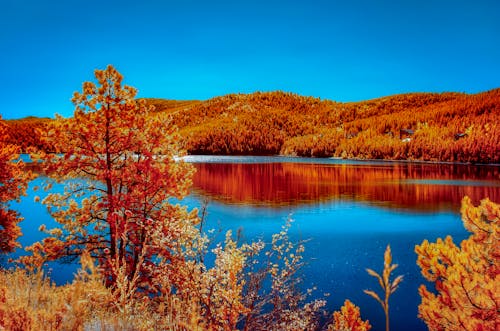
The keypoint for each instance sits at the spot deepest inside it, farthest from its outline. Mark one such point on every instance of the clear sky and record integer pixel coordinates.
(342, 50)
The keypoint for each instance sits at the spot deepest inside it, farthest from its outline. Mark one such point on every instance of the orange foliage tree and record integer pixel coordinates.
(348, 319)
(466, 278)
(13, 184)
(122, 172)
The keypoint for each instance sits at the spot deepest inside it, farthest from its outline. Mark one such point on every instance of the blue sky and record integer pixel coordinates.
(342, 50)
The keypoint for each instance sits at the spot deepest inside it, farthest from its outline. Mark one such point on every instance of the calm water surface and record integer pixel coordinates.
(348, 210)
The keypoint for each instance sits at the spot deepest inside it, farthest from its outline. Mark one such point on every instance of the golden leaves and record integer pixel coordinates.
(348, 319)
(395, 283)
(375, 296)
(122, 172)
(466, 278)
(13, 183)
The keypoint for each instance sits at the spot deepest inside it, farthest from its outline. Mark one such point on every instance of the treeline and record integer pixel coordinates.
(422, 126)
(28, 133)
(450, 127)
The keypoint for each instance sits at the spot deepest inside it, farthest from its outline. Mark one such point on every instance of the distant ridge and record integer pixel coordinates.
(452, 127)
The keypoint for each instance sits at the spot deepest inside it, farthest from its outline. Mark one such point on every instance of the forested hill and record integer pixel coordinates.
(423, 126)
(418, 126)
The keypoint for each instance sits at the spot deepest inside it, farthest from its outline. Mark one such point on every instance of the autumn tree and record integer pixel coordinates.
(466, 278)
(348, 319)
(13, 184)
(119, 173)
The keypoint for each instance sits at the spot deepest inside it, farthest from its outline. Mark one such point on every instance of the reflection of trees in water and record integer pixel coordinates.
(410, 186)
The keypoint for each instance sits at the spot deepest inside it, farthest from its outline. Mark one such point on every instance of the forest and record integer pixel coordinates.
(443, 127)
(144, 260)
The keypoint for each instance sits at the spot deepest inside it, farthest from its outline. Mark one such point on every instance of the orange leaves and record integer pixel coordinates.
(121, 164)
(13, 178)
(348, 319)
(9, 230)
(27, 133)
(13, 183)
(466, 278)
(434, 258)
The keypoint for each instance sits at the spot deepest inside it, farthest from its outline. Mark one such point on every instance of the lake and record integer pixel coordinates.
(349, 211)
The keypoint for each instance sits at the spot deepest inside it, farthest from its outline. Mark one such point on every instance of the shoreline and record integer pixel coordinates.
(302, 159)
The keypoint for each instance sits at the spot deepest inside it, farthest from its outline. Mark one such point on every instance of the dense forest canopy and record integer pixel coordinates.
(453, 127)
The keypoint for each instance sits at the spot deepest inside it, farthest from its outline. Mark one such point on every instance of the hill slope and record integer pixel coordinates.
(418, 126)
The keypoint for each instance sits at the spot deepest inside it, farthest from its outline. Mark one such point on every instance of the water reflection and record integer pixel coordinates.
(336, 207)
(416, 187)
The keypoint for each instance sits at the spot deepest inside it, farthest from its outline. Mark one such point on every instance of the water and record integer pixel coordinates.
(349, 211)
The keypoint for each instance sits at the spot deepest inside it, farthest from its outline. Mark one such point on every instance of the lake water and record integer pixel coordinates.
(347, 210)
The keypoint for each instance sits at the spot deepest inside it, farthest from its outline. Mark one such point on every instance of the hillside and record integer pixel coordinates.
(420, 126)
(27, 132)
(452, 127)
